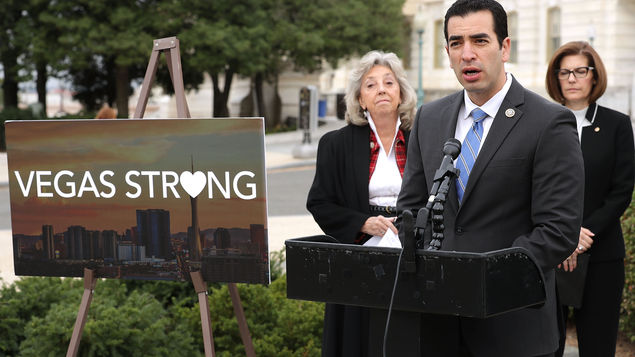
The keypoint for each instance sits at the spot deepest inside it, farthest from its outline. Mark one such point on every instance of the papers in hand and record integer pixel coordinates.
(390, 239)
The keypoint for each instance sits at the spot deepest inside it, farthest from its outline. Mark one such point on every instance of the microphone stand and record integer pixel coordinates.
(412, 236)
(438, 197)
(436, 202)
(411, 233)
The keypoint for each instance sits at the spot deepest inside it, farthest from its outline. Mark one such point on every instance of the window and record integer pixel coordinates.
(439, 44)
(512, 23)
(553, 31)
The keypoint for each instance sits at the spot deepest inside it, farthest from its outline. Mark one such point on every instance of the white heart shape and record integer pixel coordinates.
(193, 184)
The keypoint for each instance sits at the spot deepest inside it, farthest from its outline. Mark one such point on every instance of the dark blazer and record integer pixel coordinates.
(609, 173)
(338, 200)
(525, 190)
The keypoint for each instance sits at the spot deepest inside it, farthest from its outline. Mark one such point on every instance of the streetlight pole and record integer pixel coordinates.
(420, 88)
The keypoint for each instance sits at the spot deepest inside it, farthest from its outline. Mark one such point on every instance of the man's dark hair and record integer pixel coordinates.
(464, 7)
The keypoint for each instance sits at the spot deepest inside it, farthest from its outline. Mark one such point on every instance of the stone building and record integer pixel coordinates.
(536, 29)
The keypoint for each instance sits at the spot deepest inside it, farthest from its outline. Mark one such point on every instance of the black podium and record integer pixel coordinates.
(452, 283)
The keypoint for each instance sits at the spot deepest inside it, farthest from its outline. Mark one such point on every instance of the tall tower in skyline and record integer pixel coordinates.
(222, 238)
(257, 236)
(48, 242)
(153, 226)
(74, 236)
(194, 233)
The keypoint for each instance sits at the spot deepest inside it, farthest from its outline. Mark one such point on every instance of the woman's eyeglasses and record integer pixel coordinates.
(579, 72)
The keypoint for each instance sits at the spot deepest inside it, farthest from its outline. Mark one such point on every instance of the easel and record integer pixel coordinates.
(173, 59)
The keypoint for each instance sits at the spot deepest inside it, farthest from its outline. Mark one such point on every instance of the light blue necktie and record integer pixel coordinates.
(469, 151)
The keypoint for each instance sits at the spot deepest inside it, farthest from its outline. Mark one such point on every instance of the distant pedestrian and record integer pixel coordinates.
(576, 78)
(106, 112)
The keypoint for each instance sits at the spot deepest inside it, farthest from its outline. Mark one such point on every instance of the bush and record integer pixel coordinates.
(627, 318)
(138, 318)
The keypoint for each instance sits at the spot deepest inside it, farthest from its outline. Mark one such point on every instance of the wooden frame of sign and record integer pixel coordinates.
(170, 45)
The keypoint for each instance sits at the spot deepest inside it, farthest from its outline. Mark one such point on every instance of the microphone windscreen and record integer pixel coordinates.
(452, 147)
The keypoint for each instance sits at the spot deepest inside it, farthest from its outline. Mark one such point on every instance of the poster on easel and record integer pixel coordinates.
(151, 199)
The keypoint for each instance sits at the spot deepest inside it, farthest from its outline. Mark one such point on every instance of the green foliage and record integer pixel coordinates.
(107, 44)
(139, 318)
(279, 327)
(627, 318)
(119, 324)
(276, 264)
(102, 46)
(27, 299)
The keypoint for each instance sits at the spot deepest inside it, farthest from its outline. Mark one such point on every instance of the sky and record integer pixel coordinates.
(92, 147)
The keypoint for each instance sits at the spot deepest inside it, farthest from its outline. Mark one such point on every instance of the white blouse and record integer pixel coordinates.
(385, 183)
(581, 120)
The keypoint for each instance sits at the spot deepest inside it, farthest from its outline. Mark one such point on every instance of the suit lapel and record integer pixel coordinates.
(588, 139)
(506, 118)
(360, 150)
(446, 126)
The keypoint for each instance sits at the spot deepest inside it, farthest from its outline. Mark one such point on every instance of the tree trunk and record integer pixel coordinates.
(247, 104)
(268, 102)
(42, 77)
(260, 100)
(221, 97)
(275, 110)
(123, 91)
(10, 83)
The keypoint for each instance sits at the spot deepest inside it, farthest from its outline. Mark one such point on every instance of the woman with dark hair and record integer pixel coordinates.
(354, 194)
(576, 78)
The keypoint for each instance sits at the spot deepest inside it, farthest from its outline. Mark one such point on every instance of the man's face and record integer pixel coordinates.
(475, 56)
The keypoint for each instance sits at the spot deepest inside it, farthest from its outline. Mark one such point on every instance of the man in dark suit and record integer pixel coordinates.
(522, 182)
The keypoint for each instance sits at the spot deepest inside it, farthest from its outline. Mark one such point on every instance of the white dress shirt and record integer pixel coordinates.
(464, 121)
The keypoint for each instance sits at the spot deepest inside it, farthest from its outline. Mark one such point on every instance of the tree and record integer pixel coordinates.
(12, 45)
(304, 35)
(223, 39)
(260, 38)
(112, 38)
(43, 54)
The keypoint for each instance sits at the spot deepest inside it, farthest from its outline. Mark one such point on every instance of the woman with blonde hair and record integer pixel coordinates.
(354, 193)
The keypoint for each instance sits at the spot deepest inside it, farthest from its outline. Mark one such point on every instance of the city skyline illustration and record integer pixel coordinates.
(139, 199)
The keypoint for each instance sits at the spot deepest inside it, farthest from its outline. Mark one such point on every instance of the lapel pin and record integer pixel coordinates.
(597, 129)
(510, 112)
(372, 145)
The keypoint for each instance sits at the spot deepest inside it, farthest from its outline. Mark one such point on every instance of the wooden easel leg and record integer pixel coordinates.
(201, 289)
(147, 85)
(89, 286)
(177, 81)
(170, 45)
(242, 322)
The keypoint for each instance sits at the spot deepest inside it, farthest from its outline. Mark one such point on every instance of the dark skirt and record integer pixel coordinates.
(352, 331)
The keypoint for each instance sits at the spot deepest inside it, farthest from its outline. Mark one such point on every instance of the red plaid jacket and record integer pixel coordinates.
(400, 152)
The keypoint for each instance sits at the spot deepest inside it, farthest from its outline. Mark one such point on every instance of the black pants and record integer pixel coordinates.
(598, 319)
(435, 328)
